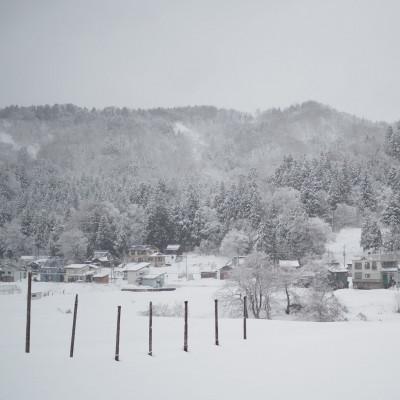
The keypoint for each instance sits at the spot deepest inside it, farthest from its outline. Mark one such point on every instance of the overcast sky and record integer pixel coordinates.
(245, 55)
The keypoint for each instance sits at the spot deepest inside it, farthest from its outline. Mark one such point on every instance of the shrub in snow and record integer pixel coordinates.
(361, 316)
(323, 306)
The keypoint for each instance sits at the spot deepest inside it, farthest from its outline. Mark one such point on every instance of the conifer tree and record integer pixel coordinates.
(371, 235)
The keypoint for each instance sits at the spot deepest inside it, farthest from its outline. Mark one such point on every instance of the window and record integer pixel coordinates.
(368, 276)
(358, 275)
(374, 265)
(357, 265)
(389, 264)
(366, 265)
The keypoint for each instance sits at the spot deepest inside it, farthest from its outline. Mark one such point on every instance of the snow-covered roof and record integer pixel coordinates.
(157, 254)
(27, 258)
(337, 269)
(143, 247)
(101, 274)
(289, 263)
(136, 266)
(76, 266)
(42, 260)
(173, 247)
(153, 275)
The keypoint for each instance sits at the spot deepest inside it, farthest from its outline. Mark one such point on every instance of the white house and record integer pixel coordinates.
(134, 271)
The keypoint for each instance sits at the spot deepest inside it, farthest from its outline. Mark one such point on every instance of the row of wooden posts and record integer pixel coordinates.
(117, 340)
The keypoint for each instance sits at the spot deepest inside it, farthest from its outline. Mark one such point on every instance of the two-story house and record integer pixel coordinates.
(146, 253)
(375, 271)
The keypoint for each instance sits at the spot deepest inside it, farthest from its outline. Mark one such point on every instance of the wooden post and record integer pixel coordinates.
(185, 338)
(71, 350)
(150, 329)
(244, 317)
(28, 315)
(117, 338)
(216, 323)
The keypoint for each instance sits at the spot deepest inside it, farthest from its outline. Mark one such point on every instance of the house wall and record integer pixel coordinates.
(76, 274)
(102, 279)
(134, 275)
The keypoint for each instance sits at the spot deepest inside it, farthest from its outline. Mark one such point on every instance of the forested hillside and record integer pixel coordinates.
(73, 180)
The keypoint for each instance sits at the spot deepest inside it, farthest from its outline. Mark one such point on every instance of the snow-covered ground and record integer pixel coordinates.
(280, 359)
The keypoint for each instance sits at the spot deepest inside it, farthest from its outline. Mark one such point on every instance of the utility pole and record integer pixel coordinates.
(344, 256)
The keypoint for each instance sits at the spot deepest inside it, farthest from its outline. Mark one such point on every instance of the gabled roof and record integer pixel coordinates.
(136, 266)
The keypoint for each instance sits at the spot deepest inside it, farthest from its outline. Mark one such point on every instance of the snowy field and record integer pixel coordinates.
(280, 360)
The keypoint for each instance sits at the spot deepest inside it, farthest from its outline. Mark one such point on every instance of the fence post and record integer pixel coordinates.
(117, 338)
(150, 329)
(245, 317)
(216, 323)
(185, 339)
(28, 315)
(71, 350)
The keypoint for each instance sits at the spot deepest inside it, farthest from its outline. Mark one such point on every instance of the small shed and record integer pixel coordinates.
(173, 249)
(101, 277)
(225, 272)
(338, 277)
(209, 274)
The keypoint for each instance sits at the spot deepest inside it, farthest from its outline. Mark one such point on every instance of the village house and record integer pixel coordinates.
(10, 272)
(146, 253)
(78, 273)
(141, 252)
(51, 269)
(375, 271)
(172, 252)
(102, 258)
(133, 271)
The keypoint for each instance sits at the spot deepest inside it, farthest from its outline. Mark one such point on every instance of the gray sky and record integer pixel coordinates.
(245, 54)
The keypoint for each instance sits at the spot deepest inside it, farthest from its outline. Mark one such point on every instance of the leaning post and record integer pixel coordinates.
(71, 350)
(118, 331)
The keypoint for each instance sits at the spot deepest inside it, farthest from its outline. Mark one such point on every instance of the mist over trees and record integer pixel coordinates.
(74, 180)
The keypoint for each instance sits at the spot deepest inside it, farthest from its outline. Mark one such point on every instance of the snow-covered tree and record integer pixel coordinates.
(371, 235)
